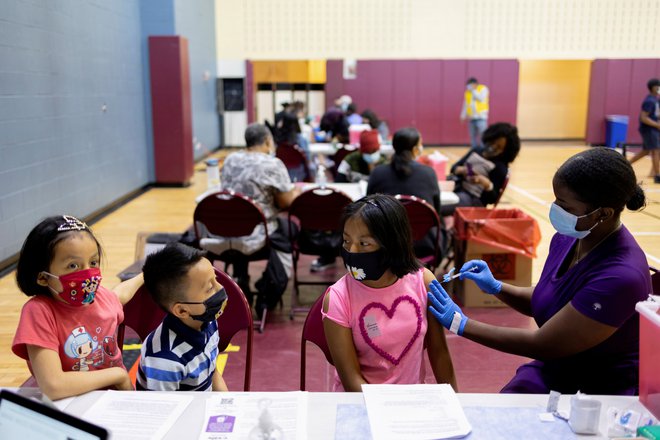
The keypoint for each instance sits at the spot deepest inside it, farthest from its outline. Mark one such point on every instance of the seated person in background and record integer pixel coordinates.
(352, 116)
(358, 165)
(334, 121)
(480, 174)
(404, 175)
(369, 117)
(383, 274)
(180, 354)
(255, 173)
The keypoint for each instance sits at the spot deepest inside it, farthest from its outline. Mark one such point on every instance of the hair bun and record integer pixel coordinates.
(638, 200)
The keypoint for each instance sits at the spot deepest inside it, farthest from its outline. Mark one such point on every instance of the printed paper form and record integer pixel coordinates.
(133, 416)
(268, 416)
(414, 412)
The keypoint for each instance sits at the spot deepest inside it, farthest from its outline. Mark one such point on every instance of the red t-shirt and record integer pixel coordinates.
(85, 337)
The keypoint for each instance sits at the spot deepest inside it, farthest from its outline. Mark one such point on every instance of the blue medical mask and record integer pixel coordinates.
(564, 222)
(371, 158)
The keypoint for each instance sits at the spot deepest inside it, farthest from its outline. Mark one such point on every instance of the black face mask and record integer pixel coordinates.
(364, 266)
(215, 305)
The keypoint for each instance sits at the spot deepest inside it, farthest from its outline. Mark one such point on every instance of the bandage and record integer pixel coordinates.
(456, 323)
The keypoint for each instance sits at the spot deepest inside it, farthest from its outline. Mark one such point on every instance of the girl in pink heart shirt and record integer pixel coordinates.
(375, 317)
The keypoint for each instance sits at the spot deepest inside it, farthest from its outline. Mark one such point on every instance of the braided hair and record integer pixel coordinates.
(601, 177)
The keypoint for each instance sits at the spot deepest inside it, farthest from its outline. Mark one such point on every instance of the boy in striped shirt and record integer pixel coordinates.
(181, 353)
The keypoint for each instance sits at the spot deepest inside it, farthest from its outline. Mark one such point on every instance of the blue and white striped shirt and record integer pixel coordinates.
(177, 357)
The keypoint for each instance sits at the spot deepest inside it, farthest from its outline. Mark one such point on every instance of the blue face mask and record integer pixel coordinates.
(564, 222)
(371, 158)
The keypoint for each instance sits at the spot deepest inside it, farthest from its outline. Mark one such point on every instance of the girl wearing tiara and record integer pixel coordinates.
(67, 330)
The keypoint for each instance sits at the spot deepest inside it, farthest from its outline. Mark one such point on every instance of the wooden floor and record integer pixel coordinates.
(170, 210)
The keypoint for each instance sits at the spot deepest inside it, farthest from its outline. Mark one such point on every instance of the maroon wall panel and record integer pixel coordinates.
(250, 92)
(171, 109)
(334, 81)
(427, 94)
(618, 87)
(404, 93)
(454, 76)
(378, 88)
(429, 98)
(596, 110)
(504, 91)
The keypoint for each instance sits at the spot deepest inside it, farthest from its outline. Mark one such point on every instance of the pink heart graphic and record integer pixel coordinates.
(390, 313)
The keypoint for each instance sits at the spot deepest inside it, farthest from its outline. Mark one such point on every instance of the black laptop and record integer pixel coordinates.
(22, 419)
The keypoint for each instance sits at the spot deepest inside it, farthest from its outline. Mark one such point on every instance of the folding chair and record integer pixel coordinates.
(313, 332)
(504, 185)
(237, 316)
(317, 209)
(339, 156)
(231, 215)
(655, 280)
(423, 218)
(295, 160)
(143, 315)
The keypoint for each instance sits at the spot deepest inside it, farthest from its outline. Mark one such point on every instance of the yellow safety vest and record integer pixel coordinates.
(479, 106)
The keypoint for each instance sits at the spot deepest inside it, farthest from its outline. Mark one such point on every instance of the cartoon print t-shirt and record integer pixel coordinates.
(388, 327)
(84, 337)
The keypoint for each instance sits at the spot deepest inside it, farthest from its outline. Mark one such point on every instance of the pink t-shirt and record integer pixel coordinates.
(85, 337)
(388, 326)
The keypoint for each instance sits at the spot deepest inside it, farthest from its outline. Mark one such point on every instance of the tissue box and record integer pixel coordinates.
(649, 355)
(438, 162)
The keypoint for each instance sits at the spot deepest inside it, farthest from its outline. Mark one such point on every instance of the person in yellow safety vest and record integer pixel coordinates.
(475, 109)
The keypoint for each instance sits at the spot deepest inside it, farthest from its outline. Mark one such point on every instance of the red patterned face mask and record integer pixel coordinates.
(79, 288)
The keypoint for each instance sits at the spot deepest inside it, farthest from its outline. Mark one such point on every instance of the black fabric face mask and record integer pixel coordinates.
(214, 305)
(365, 265)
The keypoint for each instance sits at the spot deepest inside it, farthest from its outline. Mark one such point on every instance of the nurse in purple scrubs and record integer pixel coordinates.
(584, 303)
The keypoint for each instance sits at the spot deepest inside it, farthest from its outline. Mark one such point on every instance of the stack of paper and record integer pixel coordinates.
(271, 416)
(414, 412)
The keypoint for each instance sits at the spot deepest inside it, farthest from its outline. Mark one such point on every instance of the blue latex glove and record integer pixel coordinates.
(482, 276)
(445, 309)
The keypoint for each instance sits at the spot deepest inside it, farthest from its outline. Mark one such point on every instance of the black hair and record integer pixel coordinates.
(352, 108)
(601, 177)
(256, 134)
(370, 116)
(653, 82)
(287, 129)
(472, 80)
(387, 221)
(165, 272)
(38, 251)
(508, 132)
(403, 141)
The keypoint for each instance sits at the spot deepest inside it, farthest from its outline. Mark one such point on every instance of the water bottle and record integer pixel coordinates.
(212, 174)
(321, 179)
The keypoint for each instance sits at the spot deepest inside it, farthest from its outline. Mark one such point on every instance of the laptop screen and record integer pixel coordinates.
(22, 418)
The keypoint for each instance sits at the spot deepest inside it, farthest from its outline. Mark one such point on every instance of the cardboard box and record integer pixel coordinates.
(649, 355)
(508, 267)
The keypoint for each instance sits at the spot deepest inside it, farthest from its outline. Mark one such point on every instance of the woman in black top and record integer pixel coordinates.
(403, 175)
(480, 174)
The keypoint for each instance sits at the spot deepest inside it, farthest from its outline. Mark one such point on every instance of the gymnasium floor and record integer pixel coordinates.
(277, 351)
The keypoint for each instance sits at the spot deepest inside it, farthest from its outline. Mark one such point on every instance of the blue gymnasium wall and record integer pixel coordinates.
(61, 61)
(197, 24)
